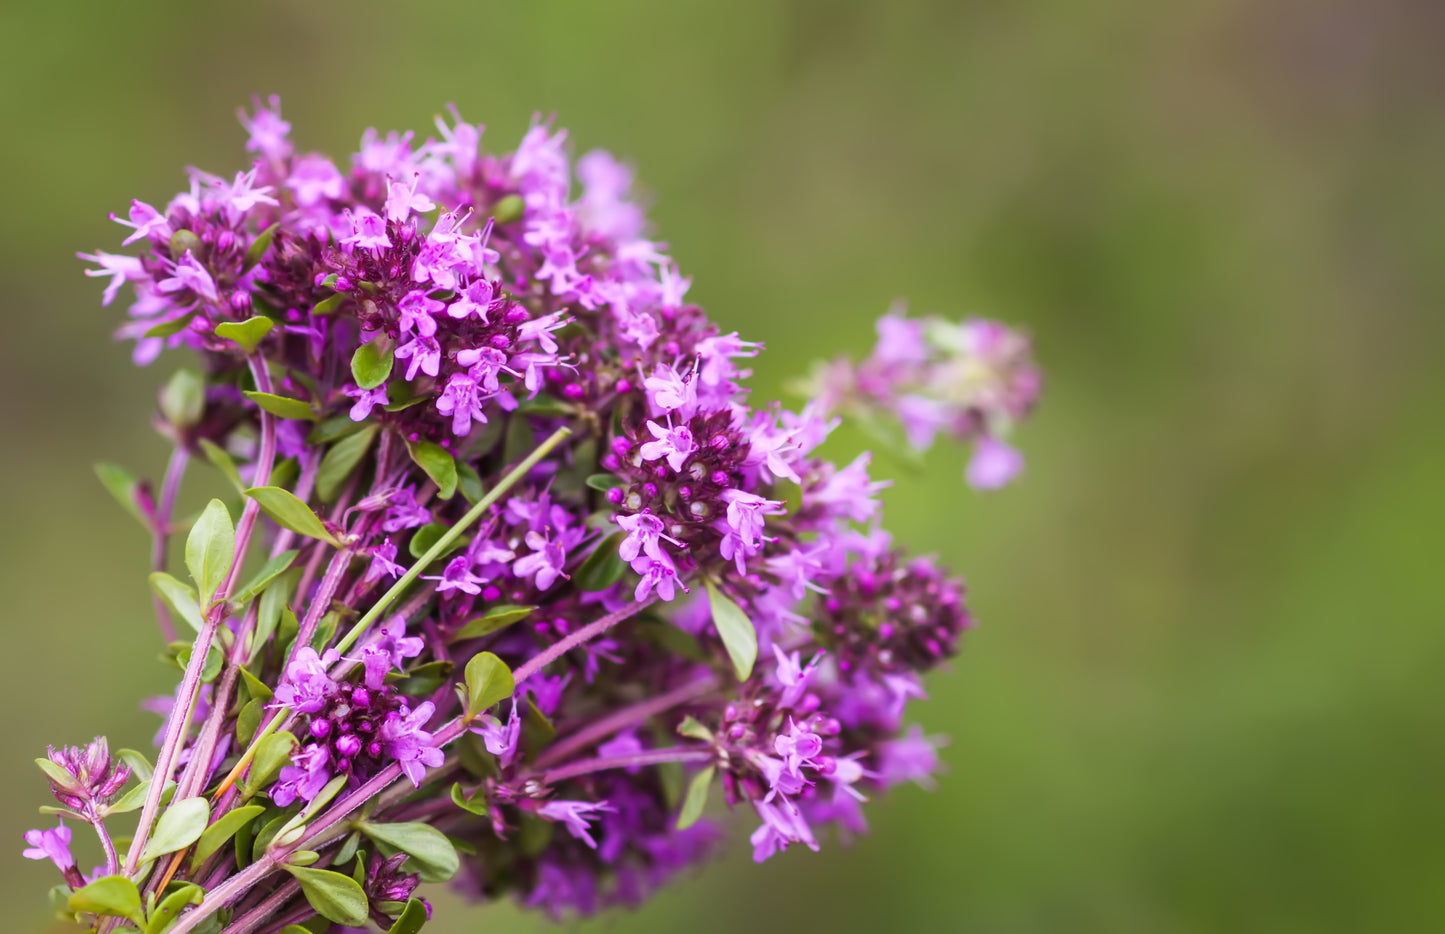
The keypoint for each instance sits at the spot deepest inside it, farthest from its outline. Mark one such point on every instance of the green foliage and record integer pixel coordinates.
(437, 463)
(430, 852)
(736, 629)
(603, 567)
(210, 549)
(281, 406)
(411, 919)
(248, 333)
(179, 598)
(335, 897)
(488, 680)
(340, 460)
(289, 512)
(222, 461)
(179, 826)
(171, 907)
(372, 362)
(112, 895)
(225, 827)
(696, 799)
(183, 400)
(123, 486)
(496, 618)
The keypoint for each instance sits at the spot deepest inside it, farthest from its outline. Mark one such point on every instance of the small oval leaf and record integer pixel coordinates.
(122, 485)
(180, 598)
(210, 549)
(281, 406)
(489, 680)
(411, 919)
(248, 333)
(171, 907)
(179, 826)
(340, 460)
(290, 512)
(736, 629)
(432, 854)
(438, 464)
(225, 827)
(498, 617)
(372, 362)
(604, 567)
(112, 895)
(335, 897)
(696, 799)
(183, 400)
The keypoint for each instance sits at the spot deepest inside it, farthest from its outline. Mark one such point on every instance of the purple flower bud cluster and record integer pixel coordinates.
(972, 381)
(523, 543)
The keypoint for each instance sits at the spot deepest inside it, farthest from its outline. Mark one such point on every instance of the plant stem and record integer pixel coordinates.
(586, 634)
(601, 729)
(445, 542)
(646, 757)
(175, 470)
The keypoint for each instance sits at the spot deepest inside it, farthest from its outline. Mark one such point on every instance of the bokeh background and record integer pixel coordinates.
(1206, 693)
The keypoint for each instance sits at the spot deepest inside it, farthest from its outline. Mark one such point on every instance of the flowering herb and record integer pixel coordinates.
(510, 561)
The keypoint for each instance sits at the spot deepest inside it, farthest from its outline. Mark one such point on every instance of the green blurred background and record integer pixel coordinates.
(1205, 694)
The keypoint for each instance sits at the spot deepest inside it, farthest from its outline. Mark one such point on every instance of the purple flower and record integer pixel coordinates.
(383, 563)
(425, 355)
(307, 685)
(675, 444)
(92, 778)
(368, 230)
(119, 268)
(404, 513)
(575, 815)
(458, 576)
(402, 199)
(314, 180)
(268, 131)
(190, 274)
(146, 221)
(669, 391)
(500, 739)
(910, 758)
(405, 740)
(474, 300)
(783, 825)
(644, 534)
(463, 402)
(308, 773)
(792, 676)
(366, 401)
(416, 313)
(658, 574)
(545, 562)
(993, 464)
(52, 844)
(391, 646)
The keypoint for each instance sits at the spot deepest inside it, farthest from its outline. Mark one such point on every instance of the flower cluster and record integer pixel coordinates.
(532, 575)
(972, 381)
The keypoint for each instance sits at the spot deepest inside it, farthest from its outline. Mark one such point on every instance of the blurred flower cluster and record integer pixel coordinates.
(511, 575)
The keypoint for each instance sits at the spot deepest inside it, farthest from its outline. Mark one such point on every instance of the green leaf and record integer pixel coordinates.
(248, 333)
(179, 826)
(255, 687)
(269, 571)
(736, 629)
(258, 248)
(475, 805)
(469, 482)
(140, 766)
(692, 729)
(59, 775)
(180, 598)
(335, 897)
(333, 429)
(327, 306)
(273, 753)
(268, 613)
(302, 858)
(122, 485)
(290, 513)
(210, 665)
(172, 905)
(498, 617)
(425, 537)
(225, 827)
(340, 460)
(222, 461)
(173, 326)
(248, 721)
(210, 549)
(411, 919)
(602, 482)
(137, 796)
(112, 895)
(281, 406)
(508, 209)
(371, 364)
(696, 800)
(183, 400)
(432, 854)
(489, 680)
(438, 464)
(604, 567)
